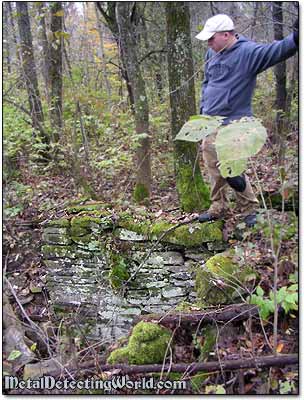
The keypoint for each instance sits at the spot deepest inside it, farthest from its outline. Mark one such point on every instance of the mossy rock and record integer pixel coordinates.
(192, 235)
(147, 344)
(126, 221)
(81, 226)
(59, 223)
(221, 279)
(75, 209)
(83, 240)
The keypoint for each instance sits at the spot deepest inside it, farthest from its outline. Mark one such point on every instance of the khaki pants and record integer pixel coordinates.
(246, 201)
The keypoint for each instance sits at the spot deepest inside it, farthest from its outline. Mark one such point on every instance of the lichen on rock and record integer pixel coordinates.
(147, 344)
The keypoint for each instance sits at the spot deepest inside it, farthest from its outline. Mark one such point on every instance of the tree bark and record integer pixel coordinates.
(45, 50)
(12, 23)
(280, 75)
(6, 44)
(192, 191)
(127, 36)
(111, 22)
(56, 50)
(29, 67)
(254, 20)
(102, 53)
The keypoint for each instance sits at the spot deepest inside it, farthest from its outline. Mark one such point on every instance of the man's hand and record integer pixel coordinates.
(296, 32)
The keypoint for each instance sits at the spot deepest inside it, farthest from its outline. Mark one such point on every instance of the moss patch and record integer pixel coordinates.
(60, 223)
(192, 191)
(207, 345)
(126, 221)
(147, 345)
(192, 235)
(81, 226)
(87, 207)
(220, 280)
(141, 193)
(119, 271)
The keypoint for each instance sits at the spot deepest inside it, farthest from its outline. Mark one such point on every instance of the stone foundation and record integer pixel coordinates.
(84, 252)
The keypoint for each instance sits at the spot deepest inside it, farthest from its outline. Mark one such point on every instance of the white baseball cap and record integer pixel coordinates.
(218, 23)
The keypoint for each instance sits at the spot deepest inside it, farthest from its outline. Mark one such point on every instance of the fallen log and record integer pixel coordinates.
(234, 312)
(228, 365)
(281, 360)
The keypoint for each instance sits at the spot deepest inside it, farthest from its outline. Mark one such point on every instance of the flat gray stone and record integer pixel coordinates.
(170, 292)
(55, 235)
(181, 275)
(125, 234)
(186, 284)
(156, 284)
(197, 256)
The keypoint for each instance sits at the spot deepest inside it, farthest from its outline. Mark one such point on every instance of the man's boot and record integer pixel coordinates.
(250, 220)
(207, 217)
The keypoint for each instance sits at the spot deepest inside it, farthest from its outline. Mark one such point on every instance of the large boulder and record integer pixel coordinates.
(222, 279)
(147, 344)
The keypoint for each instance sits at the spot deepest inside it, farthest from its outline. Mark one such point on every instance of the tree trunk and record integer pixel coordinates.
(6, 45)
(141, 110)
(66, 51)
(213, 8)
(193, 192)
(56, 49)
(29, 67)
(102, 54)
(280, 75)
(15, 39)
(111, 22)
(45, 50)
(255, 15)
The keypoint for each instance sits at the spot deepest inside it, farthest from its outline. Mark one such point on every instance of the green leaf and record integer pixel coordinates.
(220, 390)
(259, 291)
(291, 298)
(238, 141)
(294, 287)
(232, 168)
(14, 354)
(286, 387)
(198, 127)
(33, 346)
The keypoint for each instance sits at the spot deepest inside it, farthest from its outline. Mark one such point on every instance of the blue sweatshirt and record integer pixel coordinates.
(230, 77)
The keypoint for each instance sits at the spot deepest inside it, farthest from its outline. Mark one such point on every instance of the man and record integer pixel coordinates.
(232, 64)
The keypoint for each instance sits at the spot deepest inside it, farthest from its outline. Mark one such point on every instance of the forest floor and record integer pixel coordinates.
(48, 193)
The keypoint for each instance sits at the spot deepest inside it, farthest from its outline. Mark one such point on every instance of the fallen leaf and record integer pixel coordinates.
(280, 347)
(158, 213)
